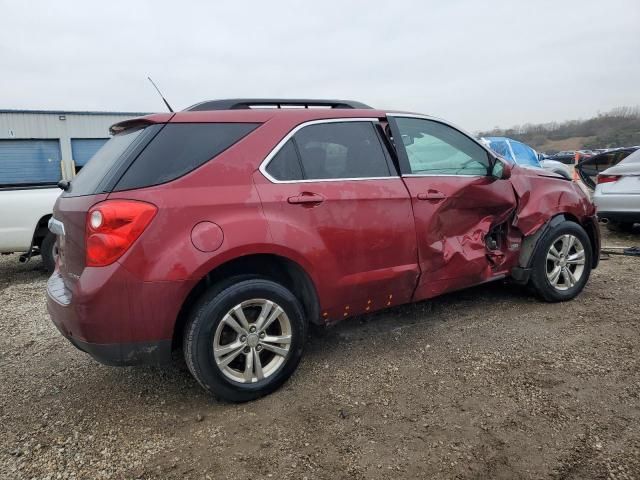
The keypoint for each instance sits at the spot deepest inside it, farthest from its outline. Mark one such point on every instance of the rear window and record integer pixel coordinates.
(107, 161)
(178, 149)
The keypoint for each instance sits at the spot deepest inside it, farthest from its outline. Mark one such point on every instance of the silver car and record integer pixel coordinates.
(617, 195)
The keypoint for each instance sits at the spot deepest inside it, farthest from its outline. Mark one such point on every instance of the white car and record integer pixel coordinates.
(24, 215)
(617, 195)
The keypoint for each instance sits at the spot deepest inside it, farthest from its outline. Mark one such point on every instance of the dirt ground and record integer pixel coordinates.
(484, 383)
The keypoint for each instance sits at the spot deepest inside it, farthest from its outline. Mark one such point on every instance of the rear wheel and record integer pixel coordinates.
(246, 340)
(562, 263)
(49, 252)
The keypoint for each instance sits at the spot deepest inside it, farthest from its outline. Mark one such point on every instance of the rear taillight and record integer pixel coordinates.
(608, 178)
(113, 226)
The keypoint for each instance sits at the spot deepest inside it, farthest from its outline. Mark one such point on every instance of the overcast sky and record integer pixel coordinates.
(476, 63)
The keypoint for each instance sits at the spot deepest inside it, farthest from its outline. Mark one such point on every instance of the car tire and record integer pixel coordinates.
(226, 322)
(562, 263)
(48, 252)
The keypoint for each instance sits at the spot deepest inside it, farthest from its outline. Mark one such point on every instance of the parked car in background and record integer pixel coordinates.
(568, 157)
(25, 211)
(227, 229)
(522, 154)
(617, 194)
(589, 168)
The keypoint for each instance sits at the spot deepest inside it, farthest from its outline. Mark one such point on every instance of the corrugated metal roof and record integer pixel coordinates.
(73, 112)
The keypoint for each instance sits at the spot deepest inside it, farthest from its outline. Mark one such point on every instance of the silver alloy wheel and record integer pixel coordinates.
(252, 341)
(565, 262)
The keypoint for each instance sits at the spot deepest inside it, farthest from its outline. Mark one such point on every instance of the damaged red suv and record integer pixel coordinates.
(223, 230)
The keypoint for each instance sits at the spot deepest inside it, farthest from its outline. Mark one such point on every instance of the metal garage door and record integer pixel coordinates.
(24, 162)
(83, 149)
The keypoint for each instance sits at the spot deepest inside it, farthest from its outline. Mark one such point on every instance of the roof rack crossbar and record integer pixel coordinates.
(246, 103)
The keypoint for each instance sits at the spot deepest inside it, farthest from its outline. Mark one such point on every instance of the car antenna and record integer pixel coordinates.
(161, 96)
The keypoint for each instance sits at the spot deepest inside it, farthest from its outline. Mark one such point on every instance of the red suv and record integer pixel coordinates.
(226, 228)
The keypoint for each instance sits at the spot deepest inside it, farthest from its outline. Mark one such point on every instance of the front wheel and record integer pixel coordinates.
(562, 263)
(245, 341)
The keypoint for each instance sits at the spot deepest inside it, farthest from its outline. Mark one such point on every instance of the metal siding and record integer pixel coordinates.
(83, 149)
(29, 161)
(47, 125)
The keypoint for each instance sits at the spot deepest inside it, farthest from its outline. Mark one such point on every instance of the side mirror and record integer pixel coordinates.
(501, 170)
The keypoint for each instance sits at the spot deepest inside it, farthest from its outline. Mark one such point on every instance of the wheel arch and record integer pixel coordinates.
(275, 267)
(530, 244)
(41, 230)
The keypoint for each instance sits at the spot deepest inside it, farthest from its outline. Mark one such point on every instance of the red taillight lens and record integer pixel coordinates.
(608, 178)
(113, 226)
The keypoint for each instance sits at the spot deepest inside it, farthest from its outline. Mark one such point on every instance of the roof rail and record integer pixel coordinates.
(245, 103)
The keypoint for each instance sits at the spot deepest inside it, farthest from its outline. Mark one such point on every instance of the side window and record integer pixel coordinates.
(341, 150)
(285, 165)
(437, 149)
(178, 149)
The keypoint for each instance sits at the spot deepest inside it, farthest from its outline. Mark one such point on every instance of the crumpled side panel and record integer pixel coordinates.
(451, 232)
(540, 198)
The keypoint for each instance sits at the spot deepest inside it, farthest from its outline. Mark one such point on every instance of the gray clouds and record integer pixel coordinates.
(479, 64)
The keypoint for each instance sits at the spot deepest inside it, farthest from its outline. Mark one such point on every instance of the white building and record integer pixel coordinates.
(42, 147)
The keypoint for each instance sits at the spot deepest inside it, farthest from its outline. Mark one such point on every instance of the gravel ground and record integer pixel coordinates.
(484, 383)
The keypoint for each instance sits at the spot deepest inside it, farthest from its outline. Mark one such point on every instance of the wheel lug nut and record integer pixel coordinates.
(259, 347)
(252, 329)
(262, 335)
(243, 338)
(246, 350)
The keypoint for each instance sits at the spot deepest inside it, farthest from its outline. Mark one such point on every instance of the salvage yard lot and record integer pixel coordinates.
(484, 383)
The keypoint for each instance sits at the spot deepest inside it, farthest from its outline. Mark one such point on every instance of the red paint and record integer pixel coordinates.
(207, 236)
(365, 245)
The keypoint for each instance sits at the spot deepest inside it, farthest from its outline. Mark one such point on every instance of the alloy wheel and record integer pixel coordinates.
(565, 262)
(252, 341)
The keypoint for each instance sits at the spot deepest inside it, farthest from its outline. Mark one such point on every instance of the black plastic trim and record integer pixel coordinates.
(127, 354)
(246, 103)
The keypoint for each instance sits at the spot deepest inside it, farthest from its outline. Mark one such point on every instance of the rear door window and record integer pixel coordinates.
(178, 149)
(285, 166)
(341, 150)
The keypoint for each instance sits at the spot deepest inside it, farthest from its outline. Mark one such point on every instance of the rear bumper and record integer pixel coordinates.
(127, 354)
(114, 317)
